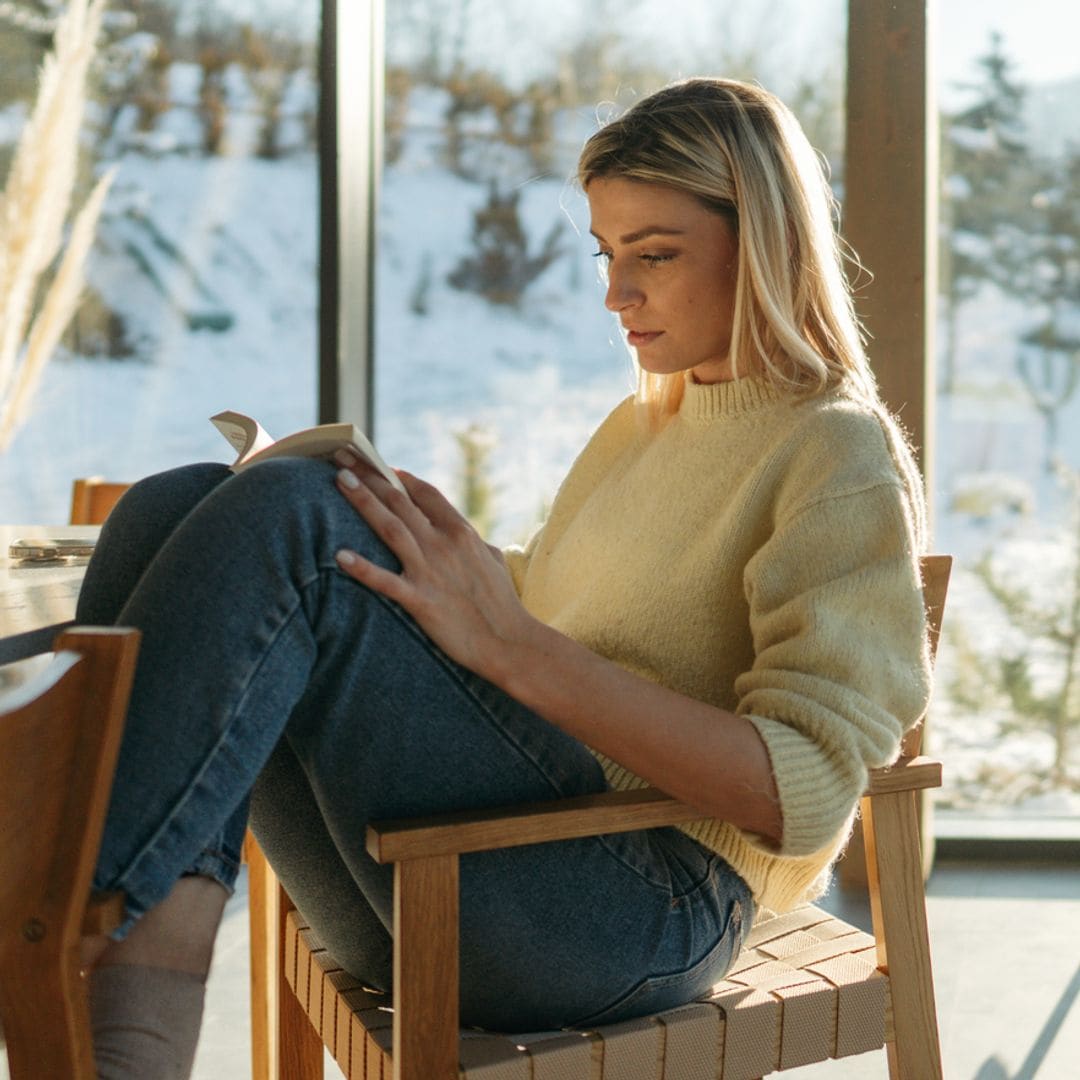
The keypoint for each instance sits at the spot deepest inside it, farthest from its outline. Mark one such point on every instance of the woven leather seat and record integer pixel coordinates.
(805, 988)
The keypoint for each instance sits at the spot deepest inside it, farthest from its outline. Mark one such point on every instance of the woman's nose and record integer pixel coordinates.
(622, 292)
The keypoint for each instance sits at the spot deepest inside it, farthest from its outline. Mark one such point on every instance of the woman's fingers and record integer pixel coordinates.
(390, 584)
(454, 585)
(386, 521)
(432, 503)
(430, 538)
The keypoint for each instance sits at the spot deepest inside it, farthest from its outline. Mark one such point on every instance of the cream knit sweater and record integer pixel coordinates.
(759, 552)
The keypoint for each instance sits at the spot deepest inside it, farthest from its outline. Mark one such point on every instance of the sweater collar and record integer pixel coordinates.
(714, 401)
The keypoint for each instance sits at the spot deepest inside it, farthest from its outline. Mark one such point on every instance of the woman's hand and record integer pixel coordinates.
(460, 592)
(451, 582)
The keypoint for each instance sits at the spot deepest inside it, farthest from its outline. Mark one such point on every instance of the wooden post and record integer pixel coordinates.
(899, 913)
(890, 203)
(262, 925)
(426, 968)
(890, 220)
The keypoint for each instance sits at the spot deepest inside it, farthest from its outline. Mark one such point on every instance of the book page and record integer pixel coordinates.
(246, 435)
(253, 444)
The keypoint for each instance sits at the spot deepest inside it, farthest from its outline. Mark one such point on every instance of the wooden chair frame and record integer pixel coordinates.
(426, 852)
(92, 499)
(59, 739)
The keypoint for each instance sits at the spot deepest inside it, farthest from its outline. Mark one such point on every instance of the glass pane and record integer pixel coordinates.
(202, 281)
(495, 357)
(1008, 499)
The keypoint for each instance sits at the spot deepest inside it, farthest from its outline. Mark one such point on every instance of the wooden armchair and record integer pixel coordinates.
(806, 987)
(61, 720)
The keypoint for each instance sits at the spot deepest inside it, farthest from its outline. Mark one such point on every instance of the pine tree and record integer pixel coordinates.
(984, 153)
(1048, 360)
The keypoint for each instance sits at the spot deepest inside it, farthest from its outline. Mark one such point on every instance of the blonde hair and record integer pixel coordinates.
(741, 152)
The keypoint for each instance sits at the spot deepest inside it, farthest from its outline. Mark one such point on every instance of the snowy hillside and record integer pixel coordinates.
(211, 265)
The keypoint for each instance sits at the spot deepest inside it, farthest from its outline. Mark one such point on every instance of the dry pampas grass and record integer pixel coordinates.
(35, 205)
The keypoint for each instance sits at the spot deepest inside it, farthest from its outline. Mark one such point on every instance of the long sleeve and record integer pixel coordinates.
(840, 666)
(758, 553)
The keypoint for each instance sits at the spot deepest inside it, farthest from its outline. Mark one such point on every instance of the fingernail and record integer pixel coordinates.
(345, 458)
(345, 557)
(348, 479)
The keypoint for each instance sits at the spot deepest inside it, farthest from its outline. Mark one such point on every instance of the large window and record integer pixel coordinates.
(495, 357)
(1008, 446)
(203, 281)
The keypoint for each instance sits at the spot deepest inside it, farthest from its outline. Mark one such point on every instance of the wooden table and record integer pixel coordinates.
(36, 594)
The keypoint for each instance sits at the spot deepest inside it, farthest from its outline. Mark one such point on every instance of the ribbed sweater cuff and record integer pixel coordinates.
(814, 809)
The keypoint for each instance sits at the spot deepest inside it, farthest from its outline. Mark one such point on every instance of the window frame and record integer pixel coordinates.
(350, 115)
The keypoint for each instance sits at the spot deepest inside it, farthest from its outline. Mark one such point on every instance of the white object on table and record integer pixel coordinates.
(36, 594)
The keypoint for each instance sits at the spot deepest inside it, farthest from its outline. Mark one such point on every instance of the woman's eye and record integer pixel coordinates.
(651, 260)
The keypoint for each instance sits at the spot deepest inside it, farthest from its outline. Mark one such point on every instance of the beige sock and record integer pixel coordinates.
(145, 1021)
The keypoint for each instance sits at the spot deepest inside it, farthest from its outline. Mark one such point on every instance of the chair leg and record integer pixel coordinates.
(46, 1023)
(851, 869)
(426, 968)
(262, 922)
(890, 823)
(284, 1045)
(299, 1048)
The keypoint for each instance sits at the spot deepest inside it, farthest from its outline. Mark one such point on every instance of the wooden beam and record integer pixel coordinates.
(890, 203)
(263, 923)
(908, 774)
(890, 221)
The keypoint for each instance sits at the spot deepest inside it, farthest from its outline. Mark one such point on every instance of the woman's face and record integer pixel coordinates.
(671, 266)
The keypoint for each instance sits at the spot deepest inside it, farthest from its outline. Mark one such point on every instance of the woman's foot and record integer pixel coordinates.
(147, 991)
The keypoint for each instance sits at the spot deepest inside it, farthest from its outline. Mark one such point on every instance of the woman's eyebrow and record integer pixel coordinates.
(641, 234)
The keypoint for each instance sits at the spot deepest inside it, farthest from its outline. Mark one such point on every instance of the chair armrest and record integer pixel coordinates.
(905, 774)
(585, 815)
(527, 823)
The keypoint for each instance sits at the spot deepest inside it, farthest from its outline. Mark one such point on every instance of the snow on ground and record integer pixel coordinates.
(213, 264)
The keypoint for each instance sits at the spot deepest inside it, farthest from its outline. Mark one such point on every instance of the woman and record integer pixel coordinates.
(724, 602)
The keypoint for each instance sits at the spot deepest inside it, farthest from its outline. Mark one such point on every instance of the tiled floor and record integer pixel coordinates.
(1006, 944)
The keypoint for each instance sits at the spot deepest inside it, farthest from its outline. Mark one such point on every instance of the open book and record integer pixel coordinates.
(252, 443)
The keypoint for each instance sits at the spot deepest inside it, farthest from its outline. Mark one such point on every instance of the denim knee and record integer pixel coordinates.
(141, 522)
(169, 495)
(296, 498)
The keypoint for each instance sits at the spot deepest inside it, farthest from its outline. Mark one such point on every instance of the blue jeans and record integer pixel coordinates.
(274, 689)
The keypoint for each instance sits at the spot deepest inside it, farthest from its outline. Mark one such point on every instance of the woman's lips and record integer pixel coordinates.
(638, 338)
